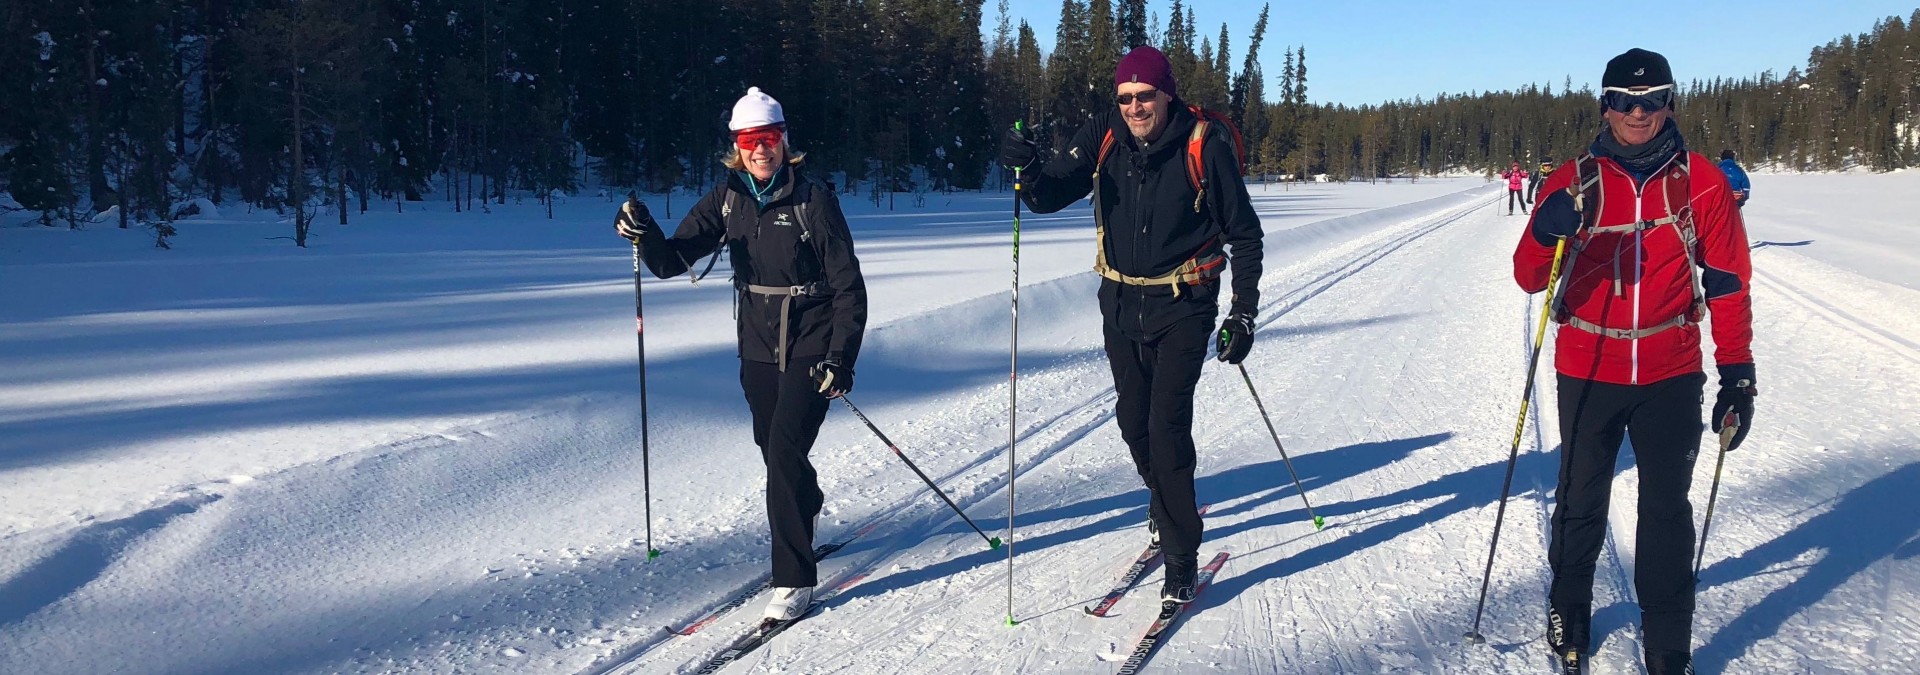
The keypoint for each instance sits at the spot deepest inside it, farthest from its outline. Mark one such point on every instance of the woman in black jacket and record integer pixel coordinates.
(803, 308)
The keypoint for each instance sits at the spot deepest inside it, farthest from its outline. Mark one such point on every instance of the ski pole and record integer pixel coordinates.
(992, 542)
(640, 331)
(1729, 427)
(1513, 455)
(1318, 522)
(1013, 385)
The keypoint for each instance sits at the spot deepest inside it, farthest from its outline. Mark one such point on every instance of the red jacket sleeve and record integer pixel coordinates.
(1726, 270)
(1532, 262)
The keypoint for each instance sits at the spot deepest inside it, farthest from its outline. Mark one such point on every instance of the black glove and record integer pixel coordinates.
(1555, 219)
(1736, 399)
(1018, 149)
(1235, 338)
(633, 220)
(832, 378)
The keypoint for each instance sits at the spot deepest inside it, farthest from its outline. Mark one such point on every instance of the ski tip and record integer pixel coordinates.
(1475, 638)
(993, 542)
(653, 553)
(1319, 522)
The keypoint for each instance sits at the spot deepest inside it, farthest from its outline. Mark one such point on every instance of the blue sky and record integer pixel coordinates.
(1368, 52)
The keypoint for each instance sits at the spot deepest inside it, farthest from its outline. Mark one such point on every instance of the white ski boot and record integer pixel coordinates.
(789, 603)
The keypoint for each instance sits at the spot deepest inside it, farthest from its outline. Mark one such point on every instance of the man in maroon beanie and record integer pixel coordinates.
(1170, 211)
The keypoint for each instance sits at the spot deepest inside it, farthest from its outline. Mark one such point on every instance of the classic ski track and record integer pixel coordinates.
(1872, 332)
(1356, 263)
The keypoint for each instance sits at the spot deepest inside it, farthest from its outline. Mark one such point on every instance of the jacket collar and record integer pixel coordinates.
(783, 186)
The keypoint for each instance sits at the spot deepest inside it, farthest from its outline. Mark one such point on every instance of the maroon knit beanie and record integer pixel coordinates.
(1148, 66)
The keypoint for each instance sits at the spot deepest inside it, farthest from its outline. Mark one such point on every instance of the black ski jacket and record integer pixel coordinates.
(1147, 205)
(799, 239)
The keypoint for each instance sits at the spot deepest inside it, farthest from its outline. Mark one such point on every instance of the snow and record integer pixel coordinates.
(1843, 220)
(413, 447)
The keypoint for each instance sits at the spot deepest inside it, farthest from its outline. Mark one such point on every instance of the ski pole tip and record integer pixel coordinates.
(1010, 622)
(993, 542)
(1019, 125)
(653, 553)
(1319, 523)
(1475, 638)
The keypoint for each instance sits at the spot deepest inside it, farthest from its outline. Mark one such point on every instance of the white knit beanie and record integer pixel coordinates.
(756, 109)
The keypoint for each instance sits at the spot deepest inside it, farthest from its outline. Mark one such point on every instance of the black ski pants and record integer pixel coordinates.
(1663, 421)
(787, 412)
(1516, 196)
(1155, 382)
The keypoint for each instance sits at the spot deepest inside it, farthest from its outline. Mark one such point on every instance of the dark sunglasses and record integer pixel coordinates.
(1624, 101)
(1148, 96)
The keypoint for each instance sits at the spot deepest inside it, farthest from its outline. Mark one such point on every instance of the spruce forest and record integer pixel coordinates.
(325, 108)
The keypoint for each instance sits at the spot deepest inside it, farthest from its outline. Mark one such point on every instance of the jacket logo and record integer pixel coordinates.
(726, 209)
(1075, 152)
(782, 219)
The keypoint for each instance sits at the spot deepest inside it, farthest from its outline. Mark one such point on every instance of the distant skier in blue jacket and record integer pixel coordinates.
(1736, 177)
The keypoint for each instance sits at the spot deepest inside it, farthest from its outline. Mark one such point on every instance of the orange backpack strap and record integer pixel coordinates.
(1106, 148)
(1196, 170)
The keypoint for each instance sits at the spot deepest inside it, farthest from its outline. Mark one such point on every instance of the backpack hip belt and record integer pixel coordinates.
(1624, 333)
(1195, 271)
(787, 294)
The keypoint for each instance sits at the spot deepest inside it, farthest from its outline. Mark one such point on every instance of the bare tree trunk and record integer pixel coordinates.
(297, 173)
(179, 92)
(101, 193)
(340, 188)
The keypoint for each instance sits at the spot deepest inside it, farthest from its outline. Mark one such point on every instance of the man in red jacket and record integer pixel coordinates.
(1654, 243)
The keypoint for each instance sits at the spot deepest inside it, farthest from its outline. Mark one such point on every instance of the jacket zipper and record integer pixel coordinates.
(1639, 255)
(1139, 194)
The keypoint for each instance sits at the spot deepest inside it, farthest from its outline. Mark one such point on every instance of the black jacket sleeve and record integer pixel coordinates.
(1069, 177)
(701, 231)
(1240, 227)
(842, 272)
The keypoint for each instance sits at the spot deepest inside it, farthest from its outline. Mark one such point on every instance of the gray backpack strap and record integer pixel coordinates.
(726, 219)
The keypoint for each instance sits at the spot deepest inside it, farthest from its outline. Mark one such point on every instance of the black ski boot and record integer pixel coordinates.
(1669, 663)
(1178, 587)
(1568, 642)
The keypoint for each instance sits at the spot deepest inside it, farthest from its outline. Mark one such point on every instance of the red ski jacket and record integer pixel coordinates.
(1629, 283)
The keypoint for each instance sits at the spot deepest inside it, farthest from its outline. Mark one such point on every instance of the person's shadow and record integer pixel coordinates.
(1874, 522)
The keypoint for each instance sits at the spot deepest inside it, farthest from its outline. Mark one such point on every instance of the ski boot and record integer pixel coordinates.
(1569, 652)
(787, 604)
(1178, 587)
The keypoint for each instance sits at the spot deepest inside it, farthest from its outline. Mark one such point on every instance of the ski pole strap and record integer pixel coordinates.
(1624, 333)
(786, 295)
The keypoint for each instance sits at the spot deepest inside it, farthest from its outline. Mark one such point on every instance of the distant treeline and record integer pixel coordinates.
(146, 104)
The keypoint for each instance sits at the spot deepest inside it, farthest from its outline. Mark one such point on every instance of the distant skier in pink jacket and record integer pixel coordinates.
(1516, 187)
